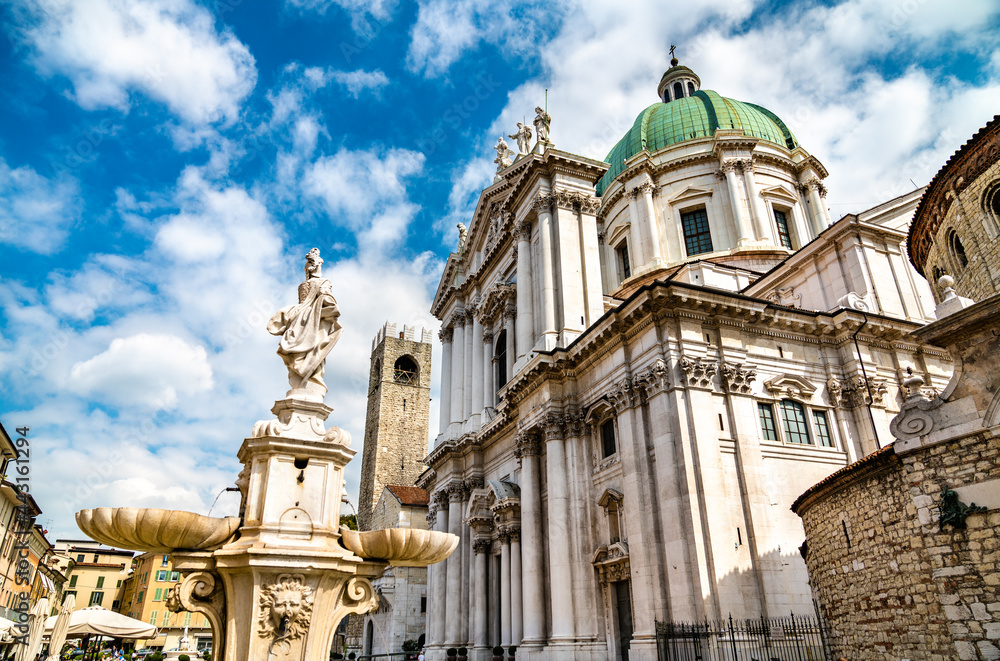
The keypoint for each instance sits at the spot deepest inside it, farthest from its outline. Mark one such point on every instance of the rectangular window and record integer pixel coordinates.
(767, 421)
(822, 429)
(97, 558)
(72, 581)
(782, 222)
(624, 264)
(152, 617)
(70, 592)
(79, 558)
(100, 582)
(794, 416)
(187, 619)
(423, 604)
(608, 438)
(697, 236)
(158, 595)
(166, 559)
(96, 598)
(175, 576)
(162, 575)
(119, 583)
(166, 618)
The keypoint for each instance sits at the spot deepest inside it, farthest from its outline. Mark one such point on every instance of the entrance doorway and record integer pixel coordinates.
(623, 603)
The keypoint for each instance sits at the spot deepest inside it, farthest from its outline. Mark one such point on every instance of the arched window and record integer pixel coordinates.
(500, 358)
(957, 250)
(991, 205)
(793, 415)
(678, 91)
(690, 88)
(369, 637)
(405, 371)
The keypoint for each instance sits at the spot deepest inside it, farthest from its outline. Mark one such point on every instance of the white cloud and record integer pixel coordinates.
(362, 12)
(146, 370)
(365, 190)
(359, 81)
(36, 213)
(445, 29)
(166, 49)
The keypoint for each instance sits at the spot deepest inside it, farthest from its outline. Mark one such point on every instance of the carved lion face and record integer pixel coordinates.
(287, 603)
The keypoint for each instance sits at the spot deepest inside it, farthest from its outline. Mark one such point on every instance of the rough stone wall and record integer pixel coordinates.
(902, 587)
(977, 229)
(396, 423)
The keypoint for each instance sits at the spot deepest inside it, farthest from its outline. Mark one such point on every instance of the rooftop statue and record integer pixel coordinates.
(543, 121)
(504, 153)
(523, 137)
(309, 329)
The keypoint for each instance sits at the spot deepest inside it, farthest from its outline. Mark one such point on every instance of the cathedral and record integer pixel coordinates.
(646, 360)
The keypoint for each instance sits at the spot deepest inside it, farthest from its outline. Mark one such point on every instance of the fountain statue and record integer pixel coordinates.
(275, 582)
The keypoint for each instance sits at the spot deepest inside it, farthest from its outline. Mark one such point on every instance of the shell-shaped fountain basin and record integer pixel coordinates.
(155, 530)
(400, 547)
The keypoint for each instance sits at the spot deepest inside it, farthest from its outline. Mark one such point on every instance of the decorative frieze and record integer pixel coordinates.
(698, 372)
(738, 379)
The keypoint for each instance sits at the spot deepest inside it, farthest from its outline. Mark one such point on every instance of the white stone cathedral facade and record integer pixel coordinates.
(645, 361)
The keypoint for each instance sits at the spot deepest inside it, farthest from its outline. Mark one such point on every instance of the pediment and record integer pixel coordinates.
(610, 495)
(790, 385)
(616, 234)
(691, 193)
(779, 193)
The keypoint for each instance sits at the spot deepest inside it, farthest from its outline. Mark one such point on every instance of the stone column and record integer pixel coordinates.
(458, 368)
(481, 547)
(636, 241)
(647, 190)
(760, 220)
(445, 335)
(525, 323)
(580, 489)
(468, 373)
(560, 578)
(543, 204)
(533, 562)
(439, 587)
(593, 283)
(478, 367)
(453, 566)
(504, 588)
(570, 296)
(509, 315)
(818, 218)
(489, 392)
(431, 578)
(515, 587)
(728, 172)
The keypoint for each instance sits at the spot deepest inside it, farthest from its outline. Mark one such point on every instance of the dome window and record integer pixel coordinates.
(697, 235)
(957, 250)
(678, 91)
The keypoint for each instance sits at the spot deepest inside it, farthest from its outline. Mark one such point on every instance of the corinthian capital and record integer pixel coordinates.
(555, 427)
(526, 444)
(566, 199)
(542, 202)
(654, 380)
(738, 379)
(698, 372)
(446, 334)
(524, 231)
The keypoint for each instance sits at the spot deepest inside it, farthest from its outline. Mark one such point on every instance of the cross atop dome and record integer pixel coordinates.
(678, 81)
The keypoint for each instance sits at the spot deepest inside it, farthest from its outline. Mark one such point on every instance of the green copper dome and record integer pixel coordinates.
(688, 118)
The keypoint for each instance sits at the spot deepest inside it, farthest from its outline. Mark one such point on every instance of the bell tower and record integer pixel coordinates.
(398, 416)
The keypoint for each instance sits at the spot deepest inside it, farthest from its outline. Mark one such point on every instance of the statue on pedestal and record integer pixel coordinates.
(308, 330)
(543, 121)
(523, 137)
(504, 153)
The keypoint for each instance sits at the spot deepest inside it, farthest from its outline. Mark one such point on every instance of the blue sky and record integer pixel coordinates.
(166, 164)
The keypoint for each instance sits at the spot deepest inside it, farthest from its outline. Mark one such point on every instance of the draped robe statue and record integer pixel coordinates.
(308, 330)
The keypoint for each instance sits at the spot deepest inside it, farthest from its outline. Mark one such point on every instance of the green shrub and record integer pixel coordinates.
(411, 645)
(183, 657)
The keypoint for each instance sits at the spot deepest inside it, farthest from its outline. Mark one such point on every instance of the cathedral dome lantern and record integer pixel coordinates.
(678, 82)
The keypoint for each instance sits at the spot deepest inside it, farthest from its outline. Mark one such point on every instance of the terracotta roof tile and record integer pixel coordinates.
(410, 495)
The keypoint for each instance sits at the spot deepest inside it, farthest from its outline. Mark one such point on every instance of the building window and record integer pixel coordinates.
(166, 618)
(781, 220)
(678, 90)
(500, 354)
(72, 581)
(697, 236)
(608, 438)
(152, 617)
(119, 583)
(405, 371)
(162, 575)
(423, 604)
(187, 619)
(79, 558)
(793, 415)
(822, 429)
(957, 250)
(175, 576)
(68, 593)
(991, 205)
(767, 421)
(100, 582)
(158, 595)
(165, 561)
(624, 264)
(96, 598)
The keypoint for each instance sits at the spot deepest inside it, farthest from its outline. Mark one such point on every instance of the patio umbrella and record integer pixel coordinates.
(5, 630)
(100, 621)
(60, 625)
(35, 630)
